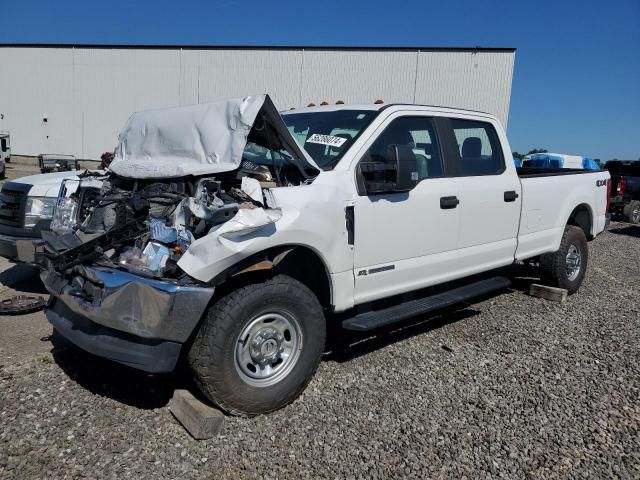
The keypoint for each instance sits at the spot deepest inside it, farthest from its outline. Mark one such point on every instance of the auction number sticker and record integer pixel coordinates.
(326, 140)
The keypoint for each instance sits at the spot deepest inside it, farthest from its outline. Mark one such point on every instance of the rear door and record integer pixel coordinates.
(405, 240)
(484, 180)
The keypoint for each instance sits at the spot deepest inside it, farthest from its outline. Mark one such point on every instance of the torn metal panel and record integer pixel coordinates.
(252, 187)
(248, 220)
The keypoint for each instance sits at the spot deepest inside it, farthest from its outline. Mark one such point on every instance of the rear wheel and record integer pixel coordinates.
(259, 346)
(566, 268)
(632, 212)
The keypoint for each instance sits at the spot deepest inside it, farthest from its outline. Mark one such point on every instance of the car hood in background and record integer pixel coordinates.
(45, 184)
(200, 139)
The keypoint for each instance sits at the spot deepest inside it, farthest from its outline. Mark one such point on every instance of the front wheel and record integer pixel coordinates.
(259, 346)
(566, 268)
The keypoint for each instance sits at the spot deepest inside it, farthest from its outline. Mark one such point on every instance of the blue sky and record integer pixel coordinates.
(576, 86)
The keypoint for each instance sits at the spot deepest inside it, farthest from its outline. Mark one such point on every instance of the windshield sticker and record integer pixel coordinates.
(326, 140)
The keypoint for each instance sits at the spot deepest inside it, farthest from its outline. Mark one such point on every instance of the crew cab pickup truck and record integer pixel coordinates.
(625, 189)
(234, 237)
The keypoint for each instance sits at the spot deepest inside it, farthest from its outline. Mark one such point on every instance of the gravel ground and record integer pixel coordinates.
(512, 386)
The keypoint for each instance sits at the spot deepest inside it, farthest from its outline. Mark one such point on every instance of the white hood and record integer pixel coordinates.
(46, 184)
(198, 139)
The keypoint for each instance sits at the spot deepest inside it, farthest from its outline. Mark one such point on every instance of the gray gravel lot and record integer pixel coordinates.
(512, 386)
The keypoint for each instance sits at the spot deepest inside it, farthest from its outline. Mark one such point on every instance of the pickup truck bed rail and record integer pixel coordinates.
(528, 172)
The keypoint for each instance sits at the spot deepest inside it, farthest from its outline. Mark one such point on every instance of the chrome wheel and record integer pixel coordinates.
(573, 263)
(268, 348)
(635, 215)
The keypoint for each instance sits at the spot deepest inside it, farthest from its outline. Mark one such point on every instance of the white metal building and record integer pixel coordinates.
(74, 99)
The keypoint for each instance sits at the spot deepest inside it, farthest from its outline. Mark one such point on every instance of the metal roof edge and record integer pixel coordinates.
(256, 47)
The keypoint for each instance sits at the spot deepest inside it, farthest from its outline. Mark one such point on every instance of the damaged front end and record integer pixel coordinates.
(112, 259)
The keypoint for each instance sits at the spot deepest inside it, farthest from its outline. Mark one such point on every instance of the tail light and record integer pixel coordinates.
(608, 194)
(622, 185)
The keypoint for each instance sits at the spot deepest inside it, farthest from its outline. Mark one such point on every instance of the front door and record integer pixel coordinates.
(404, 241)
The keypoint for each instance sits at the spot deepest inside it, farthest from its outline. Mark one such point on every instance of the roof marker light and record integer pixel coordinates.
(378, 102)
(323, 103)
(339, 102)
(311, 104)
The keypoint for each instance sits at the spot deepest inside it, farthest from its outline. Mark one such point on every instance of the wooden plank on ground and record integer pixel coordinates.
(199, 419)
(549, 293)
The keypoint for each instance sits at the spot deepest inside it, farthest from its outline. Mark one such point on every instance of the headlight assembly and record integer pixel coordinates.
(38, 208)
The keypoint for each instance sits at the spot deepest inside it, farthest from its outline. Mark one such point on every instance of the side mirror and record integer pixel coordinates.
(398, 174)
(406, 167)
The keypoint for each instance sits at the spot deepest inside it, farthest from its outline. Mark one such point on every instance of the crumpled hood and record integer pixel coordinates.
(198, 139)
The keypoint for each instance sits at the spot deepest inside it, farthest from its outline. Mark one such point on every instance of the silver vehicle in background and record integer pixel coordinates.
(57, 163)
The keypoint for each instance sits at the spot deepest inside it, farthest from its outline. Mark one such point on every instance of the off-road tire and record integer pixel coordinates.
(553, 265)
(212, 355)
(630, 212)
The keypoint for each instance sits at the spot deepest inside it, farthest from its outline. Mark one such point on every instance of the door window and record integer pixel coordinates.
(479, 151)
(416, 133)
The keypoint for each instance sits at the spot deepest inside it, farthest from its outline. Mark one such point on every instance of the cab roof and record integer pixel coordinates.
(381, 107)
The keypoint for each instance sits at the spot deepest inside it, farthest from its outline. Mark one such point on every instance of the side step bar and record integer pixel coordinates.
(379, 318)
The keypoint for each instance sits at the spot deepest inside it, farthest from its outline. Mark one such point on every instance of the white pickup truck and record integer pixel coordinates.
(235, 237)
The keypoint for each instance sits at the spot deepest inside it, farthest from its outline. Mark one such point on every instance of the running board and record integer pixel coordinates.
(379, 318)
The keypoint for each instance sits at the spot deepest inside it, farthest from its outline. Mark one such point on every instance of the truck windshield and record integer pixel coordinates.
(326, 136)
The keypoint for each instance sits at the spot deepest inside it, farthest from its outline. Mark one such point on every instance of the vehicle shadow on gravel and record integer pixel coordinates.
(23, 278)
(109, 379)
(346, 346)
(343, 345)
(630, 230)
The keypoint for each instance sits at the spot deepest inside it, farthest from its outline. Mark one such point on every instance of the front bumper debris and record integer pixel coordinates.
(144, 307)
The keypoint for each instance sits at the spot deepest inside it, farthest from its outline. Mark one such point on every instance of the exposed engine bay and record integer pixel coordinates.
(145, 226)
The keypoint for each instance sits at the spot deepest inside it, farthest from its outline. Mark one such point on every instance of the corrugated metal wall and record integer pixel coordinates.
(87, 94)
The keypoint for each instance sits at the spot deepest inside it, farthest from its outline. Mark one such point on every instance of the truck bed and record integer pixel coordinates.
(549, 196)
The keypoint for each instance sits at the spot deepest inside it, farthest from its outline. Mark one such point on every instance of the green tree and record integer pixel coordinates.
(520, 156)
(537, 150)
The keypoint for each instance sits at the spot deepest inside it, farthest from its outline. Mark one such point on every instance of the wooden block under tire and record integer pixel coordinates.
(199, 419)
(548, 293)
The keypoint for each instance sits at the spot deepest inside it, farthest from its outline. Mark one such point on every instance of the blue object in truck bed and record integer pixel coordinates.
(560, 160)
